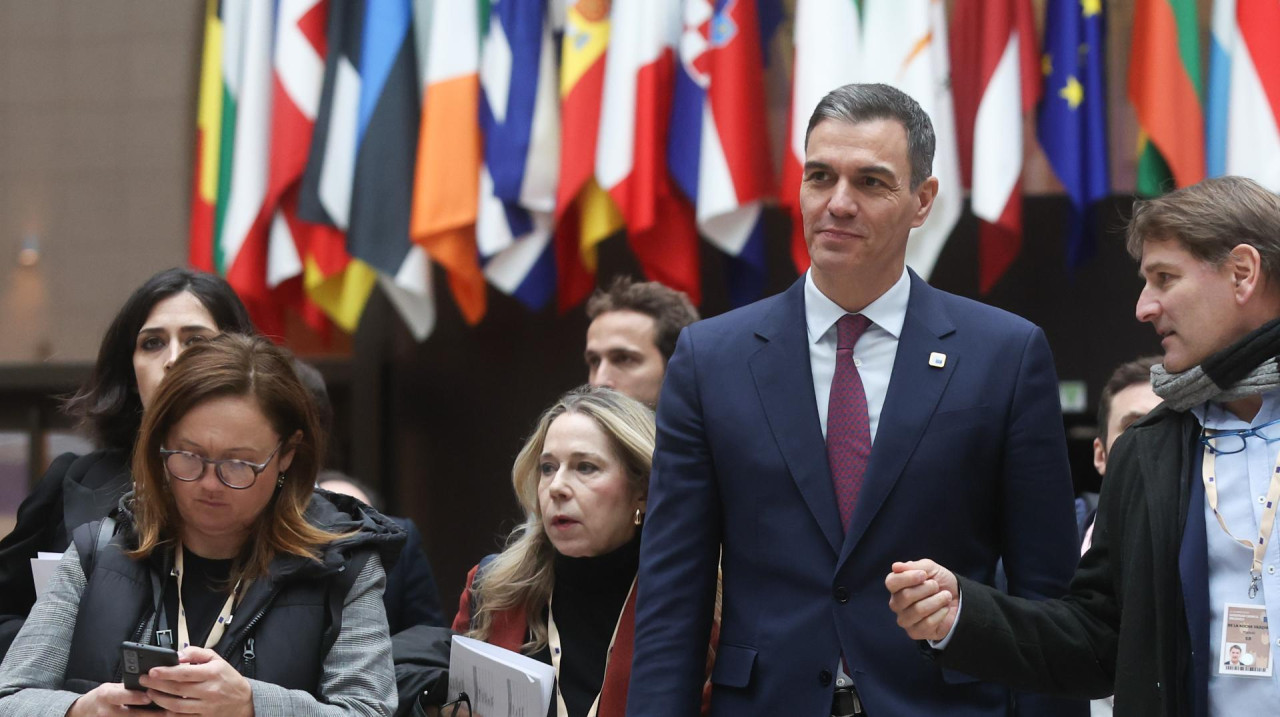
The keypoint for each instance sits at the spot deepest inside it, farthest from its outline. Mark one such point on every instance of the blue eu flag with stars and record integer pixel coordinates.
(1072, 122)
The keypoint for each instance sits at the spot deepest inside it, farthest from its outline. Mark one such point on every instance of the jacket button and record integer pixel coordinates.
(842, 595)
(824, 677)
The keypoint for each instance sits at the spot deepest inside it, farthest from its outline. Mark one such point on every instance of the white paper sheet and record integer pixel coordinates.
(499, 682)
(42, 568)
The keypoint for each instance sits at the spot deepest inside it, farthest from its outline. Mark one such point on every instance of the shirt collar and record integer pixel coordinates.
(1215, 416)
(888, 311)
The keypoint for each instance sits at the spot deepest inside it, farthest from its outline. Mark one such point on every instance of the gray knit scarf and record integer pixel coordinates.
(1246, 368)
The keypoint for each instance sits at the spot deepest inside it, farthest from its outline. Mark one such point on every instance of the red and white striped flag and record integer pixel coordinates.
(995, 72)
(631, 161)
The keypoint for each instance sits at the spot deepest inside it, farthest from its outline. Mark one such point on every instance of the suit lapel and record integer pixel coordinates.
(914, 390)
(784, 381)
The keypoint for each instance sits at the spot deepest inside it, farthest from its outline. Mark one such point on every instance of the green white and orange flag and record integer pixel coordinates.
(204, 200)
(1165, 87)
(447, 177)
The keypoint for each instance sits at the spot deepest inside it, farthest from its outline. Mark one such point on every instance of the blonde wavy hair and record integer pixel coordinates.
(234, 365)
(522, 575)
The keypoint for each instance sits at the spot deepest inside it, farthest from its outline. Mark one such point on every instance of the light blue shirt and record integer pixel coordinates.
(1243, 479)
(874, 353)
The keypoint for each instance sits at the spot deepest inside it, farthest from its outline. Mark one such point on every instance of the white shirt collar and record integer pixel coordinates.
(888, 311)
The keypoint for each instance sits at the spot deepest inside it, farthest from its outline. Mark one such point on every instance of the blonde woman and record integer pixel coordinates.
(563, 591)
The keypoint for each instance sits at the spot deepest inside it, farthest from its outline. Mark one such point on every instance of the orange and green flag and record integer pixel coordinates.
(1166, 87)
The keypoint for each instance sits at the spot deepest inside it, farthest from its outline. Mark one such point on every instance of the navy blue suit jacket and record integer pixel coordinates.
(969, 465)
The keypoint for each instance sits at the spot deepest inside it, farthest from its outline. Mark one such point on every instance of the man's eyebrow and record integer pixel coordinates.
(1144, 269)
(878, 169)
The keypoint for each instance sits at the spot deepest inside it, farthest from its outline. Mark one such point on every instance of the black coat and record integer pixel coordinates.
(285, 621)
(75, 490)
(411, 597)
(1080, 646)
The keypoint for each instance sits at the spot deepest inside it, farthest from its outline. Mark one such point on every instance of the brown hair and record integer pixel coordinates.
(1210, 219)
(234, 365)
(1129, 373)
(670, 310)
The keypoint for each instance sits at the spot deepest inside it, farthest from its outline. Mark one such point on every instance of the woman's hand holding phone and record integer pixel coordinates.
(202, 683)
(109, 698)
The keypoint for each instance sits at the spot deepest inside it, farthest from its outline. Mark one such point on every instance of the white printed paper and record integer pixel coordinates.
(499, 682)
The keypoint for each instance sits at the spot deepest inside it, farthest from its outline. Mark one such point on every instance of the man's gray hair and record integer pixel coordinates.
(858, 103)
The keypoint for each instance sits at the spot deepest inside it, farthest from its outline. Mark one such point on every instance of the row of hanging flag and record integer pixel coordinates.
(347, 145)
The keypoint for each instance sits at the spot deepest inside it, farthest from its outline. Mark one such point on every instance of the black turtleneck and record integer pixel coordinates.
(588, 598)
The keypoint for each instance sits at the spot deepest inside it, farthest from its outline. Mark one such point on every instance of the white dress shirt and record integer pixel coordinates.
(873, 354)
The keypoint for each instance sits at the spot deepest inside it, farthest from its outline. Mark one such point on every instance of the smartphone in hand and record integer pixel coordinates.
(137, 659)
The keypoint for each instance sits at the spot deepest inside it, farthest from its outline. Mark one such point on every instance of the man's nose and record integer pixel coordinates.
(843, 202)
(605, 375)
(1147, 308)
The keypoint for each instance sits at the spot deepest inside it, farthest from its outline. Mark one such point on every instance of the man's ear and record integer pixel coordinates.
(1245, 265)
(1099, 457)
(925, 194)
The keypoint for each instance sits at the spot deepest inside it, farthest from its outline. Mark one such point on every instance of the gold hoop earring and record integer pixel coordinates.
(639, 517)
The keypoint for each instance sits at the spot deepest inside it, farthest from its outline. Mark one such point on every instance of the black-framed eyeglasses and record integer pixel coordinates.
(460, 707)
(1228, 442)
(233, 472)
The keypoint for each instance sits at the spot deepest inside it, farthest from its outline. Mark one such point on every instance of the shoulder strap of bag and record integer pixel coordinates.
(92, 541)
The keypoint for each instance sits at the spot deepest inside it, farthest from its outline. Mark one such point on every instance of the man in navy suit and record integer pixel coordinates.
(941, 434)
(1184, 554)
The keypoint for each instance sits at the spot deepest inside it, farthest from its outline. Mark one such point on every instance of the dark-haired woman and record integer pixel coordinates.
(171, 311)
(270, 591)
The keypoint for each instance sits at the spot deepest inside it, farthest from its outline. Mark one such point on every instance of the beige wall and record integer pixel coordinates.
(96, 131)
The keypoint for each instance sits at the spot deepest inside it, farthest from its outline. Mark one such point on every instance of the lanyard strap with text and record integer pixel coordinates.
(1264, 526)
(553, 636)
(224, 616)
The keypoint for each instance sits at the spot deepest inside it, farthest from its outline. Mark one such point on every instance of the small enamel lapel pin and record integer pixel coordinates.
(937, 360)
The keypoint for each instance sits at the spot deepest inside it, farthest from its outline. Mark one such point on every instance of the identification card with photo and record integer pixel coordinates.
(1245, 648)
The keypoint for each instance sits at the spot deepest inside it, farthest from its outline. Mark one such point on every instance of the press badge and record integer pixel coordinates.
(1245, 649)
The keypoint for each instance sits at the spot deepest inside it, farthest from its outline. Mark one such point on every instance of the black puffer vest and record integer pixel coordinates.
(283, 626)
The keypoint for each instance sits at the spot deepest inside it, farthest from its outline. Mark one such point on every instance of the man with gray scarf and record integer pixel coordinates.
(1184, 557)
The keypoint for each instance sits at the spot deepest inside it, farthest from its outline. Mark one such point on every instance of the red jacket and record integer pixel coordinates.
(510, 630)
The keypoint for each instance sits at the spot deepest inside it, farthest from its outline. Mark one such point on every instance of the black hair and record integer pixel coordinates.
(108, 405)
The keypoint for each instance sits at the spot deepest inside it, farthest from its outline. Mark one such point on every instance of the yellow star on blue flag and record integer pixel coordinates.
(1072, 122)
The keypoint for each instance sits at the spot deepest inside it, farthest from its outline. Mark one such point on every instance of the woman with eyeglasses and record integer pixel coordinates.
(171, 311)
(563, 591)
(270, 592)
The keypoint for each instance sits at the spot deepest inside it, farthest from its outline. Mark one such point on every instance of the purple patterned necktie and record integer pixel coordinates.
(848, 428)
